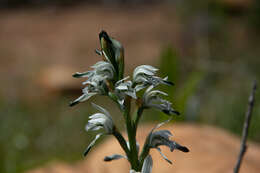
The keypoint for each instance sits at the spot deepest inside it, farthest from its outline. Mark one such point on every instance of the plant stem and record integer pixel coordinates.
(131, 131)
(113, 97)
(137, 117)
(122, 142)
(145, 151)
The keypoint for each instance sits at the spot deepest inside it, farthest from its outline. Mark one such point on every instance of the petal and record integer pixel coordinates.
(121, 102)
(98, 121)
(102, 110)
(164, 155)
(161, 124)
(92, 144)
(84, 74)
(114, 157)
(133, 171)
(122, 80)
(162, 138)
(99, 52)
(148, 164)
(144, 69)
(82, 98)
(149, 67)
(163, 134)
(97, 115)
(158, 92)
(99, 64)
(180, 147)
(92, 127)
(132, 94)
(122, 87)
(103, 119)
(140, 87)
(165, 80)
(149, 137)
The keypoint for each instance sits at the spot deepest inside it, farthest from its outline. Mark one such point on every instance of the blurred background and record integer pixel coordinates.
(208, 48)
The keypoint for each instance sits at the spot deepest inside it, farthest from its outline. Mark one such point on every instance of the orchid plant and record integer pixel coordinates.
(107, 78)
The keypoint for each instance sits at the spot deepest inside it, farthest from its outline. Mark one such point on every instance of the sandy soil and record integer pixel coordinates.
(212, 150)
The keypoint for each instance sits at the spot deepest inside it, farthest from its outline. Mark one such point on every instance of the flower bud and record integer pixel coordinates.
(113, 52)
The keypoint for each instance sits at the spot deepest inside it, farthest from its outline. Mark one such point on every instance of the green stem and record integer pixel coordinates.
(131, 131)
(113, 97)
(145, 151)
(139, 113)
(122, 142)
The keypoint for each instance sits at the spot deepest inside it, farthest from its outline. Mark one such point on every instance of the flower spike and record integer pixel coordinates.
(106, 78)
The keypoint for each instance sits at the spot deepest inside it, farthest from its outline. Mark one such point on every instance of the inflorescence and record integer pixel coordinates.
(107, 78)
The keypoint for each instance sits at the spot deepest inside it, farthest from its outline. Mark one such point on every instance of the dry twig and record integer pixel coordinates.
(248, 115)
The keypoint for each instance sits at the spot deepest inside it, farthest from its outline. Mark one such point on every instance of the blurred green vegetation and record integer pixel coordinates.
(206, 97)
(35, 133)
(32, 134)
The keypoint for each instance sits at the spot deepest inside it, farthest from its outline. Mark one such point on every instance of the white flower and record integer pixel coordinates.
(143, 70)
(95, 85)
(152, 99)
(96, 82)
(98, 121)
(104, 69)
(101, 68)
(161, 137)
(144, 76)
(123, 88)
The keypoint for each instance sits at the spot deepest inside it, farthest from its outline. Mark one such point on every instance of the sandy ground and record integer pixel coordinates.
(212, 150)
